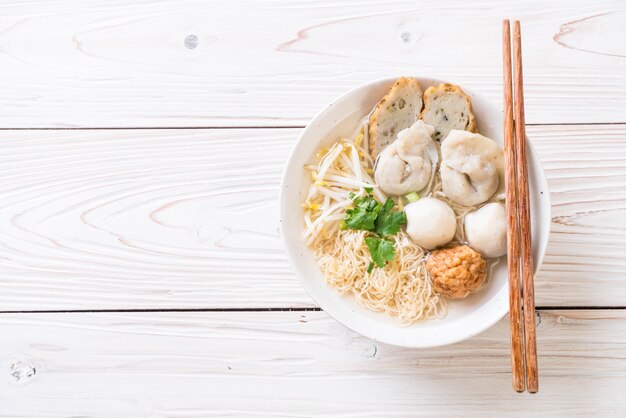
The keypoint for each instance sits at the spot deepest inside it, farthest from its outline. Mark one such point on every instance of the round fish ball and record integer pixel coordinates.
(456, 272)
(485, 230)
(430, 222)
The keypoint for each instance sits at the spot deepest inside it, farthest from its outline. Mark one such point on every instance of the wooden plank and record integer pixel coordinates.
(296, 364)
(586, 170)
(189, 218)
(139, 219)
(277, 63)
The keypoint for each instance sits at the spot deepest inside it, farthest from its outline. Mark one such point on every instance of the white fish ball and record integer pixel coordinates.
(485, 230)
(431, 223)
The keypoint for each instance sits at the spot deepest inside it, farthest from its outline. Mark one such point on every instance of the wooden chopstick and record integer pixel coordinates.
(512, 234)
(528, 287)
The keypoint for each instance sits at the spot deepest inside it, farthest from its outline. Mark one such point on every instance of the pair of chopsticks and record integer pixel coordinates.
(519, 246)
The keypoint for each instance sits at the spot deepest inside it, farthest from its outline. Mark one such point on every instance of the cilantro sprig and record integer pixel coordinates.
(381, 220)
(389, 221)
(382, 250)
(363, 215)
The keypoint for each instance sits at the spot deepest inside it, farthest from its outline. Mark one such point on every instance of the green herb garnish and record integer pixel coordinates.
(381, 220)
(389, 221)
(364, 213)
(382, 251)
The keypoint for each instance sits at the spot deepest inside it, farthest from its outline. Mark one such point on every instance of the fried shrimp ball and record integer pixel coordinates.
(457, 271)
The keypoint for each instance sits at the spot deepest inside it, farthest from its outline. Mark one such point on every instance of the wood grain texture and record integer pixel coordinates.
(296, 364)
(586, 170)
(123, 219)
(189, 218)
(113, 63)
(133, 219)
(523, 205)
(512, 228)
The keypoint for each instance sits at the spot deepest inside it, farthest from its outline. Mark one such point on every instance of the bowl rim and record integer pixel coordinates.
(326, 307)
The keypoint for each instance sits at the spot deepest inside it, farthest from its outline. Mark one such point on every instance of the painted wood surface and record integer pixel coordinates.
(162, 219)
(102, 63)
(296, 364)
(176, 219)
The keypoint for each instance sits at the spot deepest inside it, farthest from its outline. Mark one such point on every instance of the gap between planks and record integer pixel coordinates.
(311, 309)
(148, 128)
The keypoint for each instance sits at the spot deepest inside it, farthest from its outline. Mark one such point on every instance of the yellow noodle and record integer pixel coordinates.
(401, 289)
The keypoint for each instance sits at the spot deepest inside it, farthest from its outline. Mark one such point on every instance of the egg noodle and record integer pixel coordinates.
(401, 289)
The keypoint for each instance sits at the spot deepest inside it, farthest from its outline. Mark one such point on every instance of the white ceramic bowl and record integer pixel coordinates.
(465, 318)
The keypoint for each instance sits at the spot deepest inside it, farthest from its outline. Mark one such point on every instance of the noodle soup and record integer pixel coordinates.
(346, 117)
(405, 214)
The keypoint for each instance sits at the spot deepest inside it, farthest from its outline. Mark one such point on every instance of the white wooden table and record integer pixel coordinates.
(141, 147)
